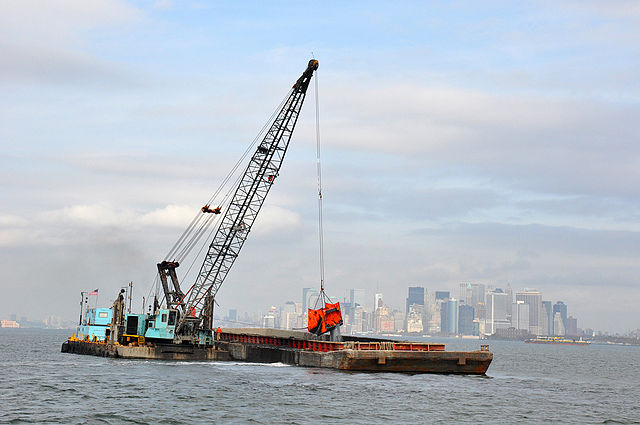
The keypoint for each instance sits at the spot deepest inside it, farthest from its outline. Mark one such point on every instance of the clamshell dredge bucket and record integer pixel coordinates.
(324, 319)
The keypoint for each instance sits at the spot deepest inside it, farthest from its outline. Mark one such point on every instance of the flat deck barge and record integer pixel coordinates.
(302, 349)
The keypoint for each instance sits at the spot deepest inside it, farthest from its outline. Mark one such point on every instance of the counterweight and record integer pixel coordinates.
(243, 209)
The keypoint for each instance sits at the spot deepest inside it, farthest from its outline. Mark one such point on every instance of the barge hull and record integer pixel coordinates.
(451, 362)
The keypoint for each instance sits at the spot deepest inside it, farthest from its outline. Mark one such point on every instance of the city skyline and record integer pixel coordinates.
(368, 300)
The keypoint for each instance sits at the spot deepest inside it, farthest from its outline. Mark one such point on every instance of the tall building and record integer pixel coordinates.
(572, 326)
(449, 317)
(465, 320)
(473, 294)
(442, 295)
(290, 315)
(547, 310)
(414, 318)
(377, 302)
(309, 300)
(509, 293)
(520, 317)
(356, 297)
(305, 297)
(536, 316)
(416, 296)
(558, 326)
(561, 308)
(497, 309)
(383, 321)
(233, 314)
(431, 320)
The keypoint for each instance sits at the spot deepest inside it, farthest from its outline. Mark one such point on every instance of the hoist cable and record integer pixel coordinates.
(319, 169)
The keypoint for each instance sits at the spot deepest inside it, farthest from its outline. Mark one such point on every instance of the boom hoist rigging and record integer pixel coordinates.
(195, 306)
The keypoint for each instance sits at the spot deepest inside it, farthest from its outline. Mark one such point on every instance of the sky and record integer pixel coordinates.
(487, 142)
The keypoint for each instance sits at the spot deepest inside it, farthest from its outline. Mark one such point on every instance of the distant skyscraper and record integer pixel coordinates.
(558, 326)
(414, 318)
(572, 326)
(233, 314)
(509, 293)
(536, 317)
(356, 296)
(449, 316)
(561, 308)
(520, 318)
(377, 301)
(442, 295)
(473, 294)
(305, 297)
(497, 301)
(465, 320)
(547, 310)
(431, 320)
(416, 296)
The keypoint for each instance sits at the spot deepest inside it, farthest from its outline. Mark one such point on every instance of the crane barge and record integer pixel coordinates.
(180, 327)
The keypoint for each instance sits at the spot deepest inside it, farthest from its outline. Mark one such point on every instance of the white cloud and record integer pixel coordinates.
(47, 41)
(13, 221)
(175, 216)
(275, 219)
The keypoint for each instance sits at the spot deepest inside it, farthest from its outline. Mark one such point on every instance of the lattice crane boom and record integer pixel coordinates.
(243, 209)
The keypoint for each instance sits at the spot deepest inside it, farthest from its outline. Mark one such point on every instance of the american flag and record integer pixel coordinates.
(95, 292)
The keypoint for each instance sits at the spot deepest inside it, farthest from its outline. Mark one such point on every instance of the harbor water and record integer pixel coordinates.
(526, 383)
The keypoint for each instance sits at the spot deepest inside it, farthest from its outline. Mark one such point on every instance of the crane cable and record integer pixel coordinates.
(190, 237)
(319, 168)
(186, 250)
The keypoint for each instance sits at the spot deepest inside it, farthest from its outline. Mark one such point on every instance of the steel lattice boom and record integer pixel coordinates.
(247, 200)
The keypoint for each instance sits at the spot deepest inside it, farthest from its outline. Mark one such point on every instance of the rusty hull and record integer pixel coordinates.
(274, 346)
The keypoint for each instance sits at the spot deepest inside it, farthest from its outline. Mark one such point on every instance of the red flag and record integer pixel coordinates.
(95, 292)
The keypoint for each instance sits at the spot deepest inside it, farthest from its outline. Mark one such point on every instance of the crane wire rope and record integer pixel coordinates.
(179, 246)
(181, 249)
(319, 170)
(189, 231)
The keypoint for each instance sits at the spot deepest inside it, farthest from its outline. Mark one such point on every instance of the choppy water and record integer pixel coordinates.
(526, 383)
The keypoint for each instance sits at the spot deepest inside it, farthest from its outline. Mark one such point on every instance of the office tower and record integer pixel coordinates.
(497, 301)
(473, 294)
(377, 302)
(572, 326)
(509, 293)
(547, 310)
(561, 308)
(442, 295)
(558, 325)
(465, 320)
(290, 315)
(416, 296)
(356, 296)
(536, 317)
(233, 314)
(520, 318)
(414, 318)
(305, 297)
(449, 317)
(431, 321)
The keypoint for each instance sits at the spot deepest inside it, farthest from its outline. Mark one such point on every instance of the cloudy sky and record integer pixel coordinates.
(492, 142)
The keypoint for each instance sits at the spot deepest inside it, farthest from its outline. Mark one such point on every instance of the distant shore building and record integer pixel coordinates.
(9, 324)
(536, 316)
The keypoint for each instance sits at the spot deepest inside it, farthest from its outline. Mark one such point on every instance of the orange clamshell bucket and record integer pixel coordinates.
(324, 319)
